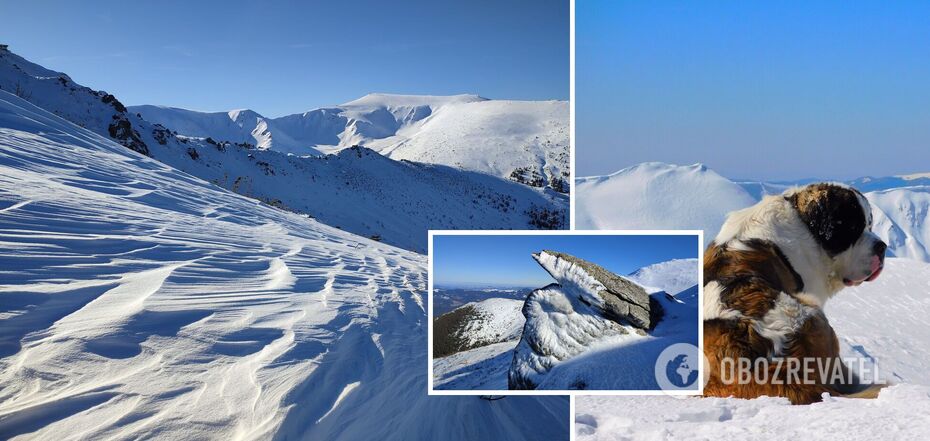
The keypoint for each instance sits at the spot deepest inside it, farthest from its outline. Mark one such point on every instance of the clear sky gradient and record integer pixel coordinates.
(754, 89)
(506, 261)
(280, 57)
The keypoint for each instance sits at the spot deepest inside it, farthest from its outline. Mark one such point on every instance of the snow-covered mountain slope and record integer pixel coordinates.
(663, 196)
(526, 141)
(485, 334)
(883, 322)
(355, 189)
(673, 276)
(901, 220)
(477, 324)
(658, 196)
(137, 301)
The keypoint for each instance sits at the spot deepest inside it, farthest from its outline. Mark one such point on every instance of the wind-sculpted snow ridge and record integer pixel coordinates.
(524, 141)
(882, 323)
(354, 189)
(583, 333)
(137, 301)
(673, 276)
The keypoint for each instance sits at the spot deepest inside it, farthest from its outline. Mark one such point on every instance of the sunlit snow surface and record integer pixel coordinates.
(882, 321)
(137, 301)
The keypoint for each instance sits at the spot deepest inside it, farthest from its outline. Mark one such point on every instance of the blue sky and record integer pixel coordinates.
(754, 89)
(506, 261)
(282, 57)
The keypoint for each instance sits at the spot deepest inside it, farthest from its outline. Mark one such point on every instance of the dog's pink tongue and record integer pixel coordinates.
(876, 267)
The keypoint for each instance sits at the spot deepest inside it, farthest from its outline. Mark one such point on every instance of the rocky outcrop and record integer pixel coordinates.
(617, 298)
(589, 305)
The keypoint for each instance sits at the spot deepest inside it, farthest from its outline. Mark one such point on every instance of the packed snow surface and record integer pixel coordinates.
(137, 301)
(901, 412)
(883, 322)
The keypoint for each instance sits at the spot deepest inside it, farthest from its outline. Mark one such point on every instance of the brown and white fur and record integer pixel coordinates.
(767, 275)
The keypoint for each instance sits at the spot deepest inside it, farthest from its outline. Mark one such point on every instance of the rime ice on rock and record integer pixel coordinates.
(589, 305)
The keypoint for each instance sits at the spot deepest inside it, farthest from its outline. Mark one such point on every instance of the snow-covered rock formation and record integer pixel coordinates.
(597, 314)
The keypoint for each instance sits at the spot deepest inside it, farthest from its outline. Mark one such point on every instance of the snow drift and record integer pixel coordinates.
(137, 301)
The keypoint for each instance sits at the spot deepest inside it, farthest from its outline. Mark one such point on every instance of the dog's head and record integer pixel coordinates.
(840, 220)
(823, 229)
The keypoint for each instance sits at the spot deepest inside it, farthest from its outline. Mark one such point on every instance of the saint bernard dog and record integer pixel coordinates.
(767, 275)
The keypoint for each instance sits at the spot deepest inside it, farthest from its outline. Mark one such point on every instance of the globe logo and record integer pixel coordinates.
(676, 369)
(680, 372)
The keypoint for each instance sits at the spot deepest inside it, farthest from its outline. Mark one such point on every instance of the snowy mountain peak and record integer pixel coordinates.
(397, 100)
(658, 195)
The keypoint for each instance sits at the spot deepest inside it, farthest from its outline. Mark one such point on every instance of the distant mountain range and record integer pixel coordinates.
(480, 164)
(665, 196)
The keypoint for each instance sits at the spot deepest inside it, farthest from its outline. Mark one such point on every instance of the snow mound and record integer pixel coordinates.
(658, 196)
(900, 218)
(673, 276)
(137, 301)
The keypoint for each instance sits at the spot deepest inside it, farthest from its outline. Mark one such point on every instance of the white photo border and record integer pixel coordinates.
(572, 393)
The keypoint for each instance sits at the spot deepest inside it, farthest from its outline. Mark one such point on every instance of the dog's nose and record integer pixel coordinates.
(879, 248)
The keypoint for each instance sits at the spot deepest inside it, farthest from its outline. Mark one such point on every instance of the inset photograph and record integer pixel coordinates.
(562, 312)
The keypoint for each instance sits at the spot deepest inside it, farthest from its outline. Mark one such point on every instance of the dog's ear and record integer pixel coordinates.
(832, 213)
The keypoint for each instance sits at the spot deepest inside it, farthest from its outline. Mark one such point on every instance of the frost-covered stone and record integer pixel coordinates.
(588, 307)
(558, 326)
(618, 298)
